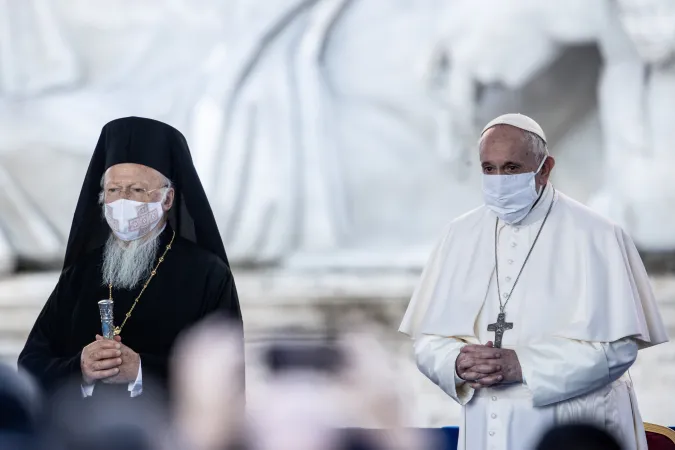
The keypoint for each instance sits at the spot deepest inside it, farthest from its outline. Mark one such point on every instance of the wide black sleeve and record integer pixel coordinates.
(224, 306)
(46, 355)
(155, 367)
(226, 301)
(219, 300)
(227, 307)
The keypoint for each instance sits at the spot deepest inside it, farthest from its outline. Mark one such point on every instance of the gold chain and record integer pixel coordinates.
(118, 330)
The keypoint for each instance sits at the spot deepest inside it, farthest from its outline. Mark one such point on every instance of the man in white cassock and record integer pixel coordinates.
(532, 307)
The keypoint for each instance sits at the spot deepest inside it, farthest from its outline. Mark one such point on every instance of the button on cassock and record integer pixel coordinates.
(494, 398)
(492, 433)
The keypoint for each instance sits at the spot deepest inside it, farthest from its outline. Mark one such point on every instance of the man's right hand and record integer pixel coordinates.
(479, 365)
(99, 360)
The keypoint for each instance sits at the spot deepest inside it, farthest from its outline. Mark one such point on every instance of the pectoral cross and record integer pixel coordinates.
(499, 328)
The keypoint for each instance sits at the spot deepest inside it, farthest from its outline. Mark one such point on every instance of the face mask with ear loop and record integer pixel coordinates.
(511, 197)
(131, 220)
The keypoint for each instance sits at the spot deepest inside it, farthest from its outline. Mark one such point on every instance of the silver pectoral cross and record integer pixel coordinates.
(499, 328)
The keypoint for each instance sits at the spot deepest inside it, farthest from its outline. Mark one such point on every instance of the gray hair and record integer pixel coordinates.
(168, 184)
(536, 146)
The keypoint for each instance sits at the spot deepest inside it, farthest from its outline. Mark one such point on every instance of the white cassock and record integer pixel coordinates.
(581, 310)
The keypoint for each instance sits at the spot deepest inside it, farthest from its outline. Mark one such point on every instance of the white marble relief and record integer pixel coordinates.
(341, 133)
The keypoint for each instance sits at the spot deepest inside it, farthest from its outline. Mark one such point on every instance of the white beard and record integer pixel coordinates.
(126, 265)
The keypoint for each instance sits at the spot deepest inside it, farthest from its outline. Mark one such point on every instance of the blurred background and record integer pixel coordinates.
(335, 139)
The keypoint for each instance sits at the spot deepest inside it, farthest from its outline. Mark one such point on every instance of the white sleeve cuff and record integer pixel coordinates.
(136, 387)
(620, 356)
(435, 357)
(87, 390)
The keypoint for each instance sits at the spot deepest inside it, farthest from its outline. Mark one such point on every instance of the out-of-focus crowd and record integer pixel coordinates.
(317, 394)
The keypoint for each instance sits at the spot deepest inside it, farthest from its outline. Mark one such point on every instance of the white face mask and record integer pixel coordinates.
(131, 220)
(511, 197)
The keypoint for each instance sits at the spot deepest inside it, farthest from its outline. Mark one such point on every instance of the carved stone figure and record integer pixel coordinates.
(34, 53)
(338, 133)
(637, 111)
(263, 130)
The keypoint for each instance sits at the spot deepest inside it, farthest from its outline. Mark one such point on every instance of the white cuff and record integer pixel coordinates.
(436, 358)
(136, 387)
(87, 390)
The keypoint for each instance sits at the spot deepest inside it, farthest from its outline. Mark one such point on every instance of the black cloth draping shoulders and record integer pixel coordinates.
(193, 282)
(163, 148)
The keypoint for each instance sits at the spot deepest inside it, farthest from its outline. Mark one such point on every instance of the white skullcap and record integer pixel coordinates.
(519, 121)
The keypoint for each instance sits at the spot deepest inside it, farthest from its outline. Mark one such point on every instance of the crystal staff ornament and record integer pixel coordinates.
(105, 307)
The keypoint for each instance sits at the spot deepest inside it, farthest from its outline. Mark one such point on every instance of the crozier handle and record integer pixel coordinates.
(105, 307)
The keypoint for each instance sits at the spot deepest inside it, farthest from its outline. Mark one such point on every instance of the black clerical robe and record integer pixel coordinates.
(190, 284)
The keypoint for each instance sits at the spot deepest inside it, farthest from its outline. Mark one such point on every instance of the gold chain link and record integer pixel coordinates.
(118, 330)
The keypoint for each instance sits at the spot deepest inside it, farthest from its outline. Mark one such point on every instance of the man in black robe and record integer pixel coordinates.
(144, 236)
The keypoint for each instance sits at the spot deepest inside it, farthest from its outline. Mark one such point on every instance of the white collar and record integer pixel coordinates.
(538, 212)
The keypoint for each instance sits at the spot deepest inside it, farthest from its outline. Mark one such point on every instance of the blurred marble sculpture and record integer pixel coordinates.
(303, 153)
(312, 135)
(266, 150)
(318, 126)
(34, 58)
(34, 55)
(637, 104)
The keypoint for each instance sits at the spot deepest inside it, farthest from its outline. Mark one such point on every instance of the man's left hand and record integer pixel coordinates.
(131, 361)
(510, 370)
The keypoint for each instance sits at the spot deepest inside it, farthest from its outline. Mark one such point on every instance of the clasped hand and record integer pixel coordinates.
(484, 366)
(109, 361)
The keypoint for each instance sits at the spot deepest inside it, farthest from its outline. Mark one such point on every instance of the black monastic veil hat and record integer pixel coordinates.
(159, 146)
